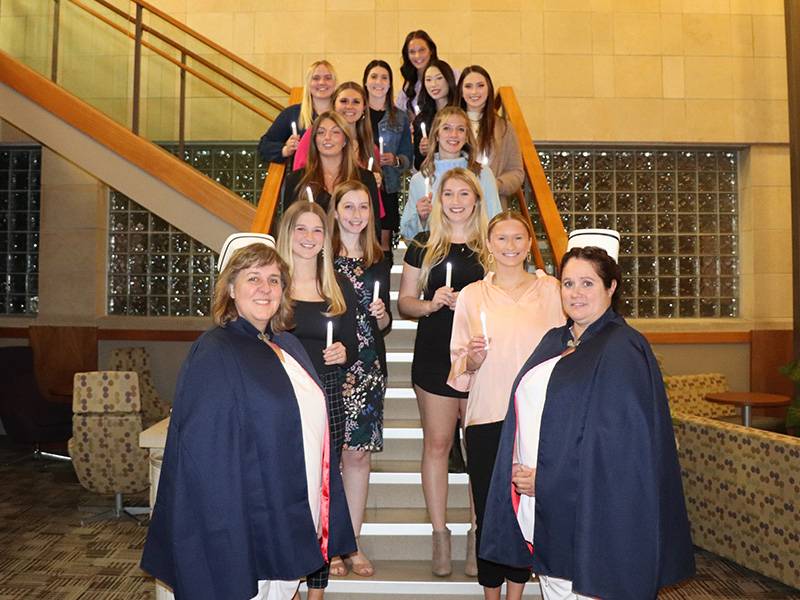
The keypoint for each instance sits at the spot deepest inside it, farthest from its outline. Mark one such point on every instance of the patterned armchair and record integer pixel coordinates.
(687, 393)
(104, 446)
(741, 487)
(137, 359)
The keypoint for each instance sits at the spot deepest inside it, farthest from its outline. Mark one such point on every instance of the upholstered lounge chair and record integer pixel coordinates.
(105, 443)
(137, 359)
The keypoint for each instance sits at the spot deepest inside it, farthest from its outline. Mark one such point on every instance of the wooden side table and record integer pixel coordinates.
(747, 400)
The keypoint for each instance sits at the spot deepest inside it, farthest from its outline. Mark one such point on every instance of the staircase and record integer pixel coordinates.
(396, 534)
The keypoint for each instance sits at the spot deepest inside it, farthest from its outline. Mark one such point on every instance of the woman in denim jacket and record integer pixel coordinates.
(392, 133)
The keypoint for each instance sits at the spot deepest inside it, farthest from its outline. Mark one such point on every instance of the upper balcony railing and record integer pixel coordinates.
(143, 68)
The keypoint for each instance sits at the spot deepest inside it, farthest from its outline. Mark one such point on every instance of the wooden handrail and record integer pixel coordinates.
(184, 67)
(271, 191)
(551, 219)
(159, 163)
(216, 47)
(538, 259)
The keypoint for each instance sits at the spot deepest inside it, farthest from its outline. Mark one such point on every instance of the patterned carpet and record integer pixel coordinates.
(46, 553)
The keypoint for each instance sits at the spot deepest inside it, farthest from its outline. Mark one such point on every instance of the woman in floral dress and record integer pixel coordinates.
(359, 257)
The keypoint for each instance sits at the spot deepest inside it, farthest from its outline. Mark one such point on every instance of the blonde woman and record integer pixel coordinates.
(457, 238)
(320, 298)
(358, 256)
(331, 161)
(280, 141)
(452, 146)
(518, 308)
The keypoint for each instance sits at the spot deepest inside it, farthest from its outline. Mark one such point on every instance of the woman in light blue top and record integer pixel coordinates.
(453, 145)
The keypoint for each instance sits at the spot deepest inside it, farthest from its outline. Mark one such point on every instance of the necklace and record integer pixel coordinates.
(573, 343)
(513, 287)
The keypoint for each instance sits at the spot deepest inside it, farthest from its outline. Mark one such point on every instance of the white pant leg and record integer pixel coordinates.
(276, 590)
(554, 588)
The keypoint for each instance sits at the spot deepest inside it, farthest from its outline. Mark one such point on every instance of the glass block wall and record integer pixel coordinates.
(20, 186)
(677, 211)
(154, 268)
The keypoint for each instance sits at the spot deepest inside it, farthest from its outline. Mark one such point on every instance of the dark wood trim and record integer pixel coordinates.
(792, 21)
(183, 335)
(698, 337)
(148, 335)
(14, 332)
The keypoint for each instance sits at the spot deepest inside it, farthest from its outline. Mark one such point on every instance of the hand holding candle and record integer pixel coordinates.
(448, 278)
(376, 291)
(380, 144)
(485, 329)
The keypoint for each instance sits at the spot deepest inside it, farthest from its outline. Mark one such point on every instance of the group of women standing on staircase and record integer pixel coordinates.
(480, 313)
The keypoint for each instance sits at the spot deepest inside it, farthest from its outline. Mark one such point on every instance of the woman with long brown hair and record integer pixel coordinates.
(330, 161)
(494, 135)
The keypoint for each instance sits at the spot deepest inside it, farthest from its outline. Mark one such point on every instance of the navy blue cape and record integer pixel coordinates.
(232, 504)
(610, 511)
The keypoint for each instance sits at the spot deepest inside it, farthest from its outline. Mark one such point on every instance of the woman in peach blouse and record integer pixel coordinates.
(498, 322)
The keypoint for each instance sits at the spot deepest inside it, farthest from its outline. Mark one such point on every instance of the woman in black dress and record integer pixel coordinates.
(456, 244)
(322, 301)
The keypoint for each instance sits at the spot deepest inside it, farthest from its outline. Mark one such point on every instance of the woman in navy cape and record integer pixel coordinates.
(599, 511)
(250, 498)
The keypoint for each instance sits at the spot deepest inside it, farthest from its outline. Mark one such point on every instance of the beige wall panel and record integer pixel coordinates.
(602, 33)
(773, 250)
(387, 4)
(438, 5)
(332, 5)
(637, 33)
(769, 165)
(708, 76)
(208, 119)
(567, 33)
(769, 37)
(532, 32)
(536, 118)
(636, 5)
(773, 295)
(566, 6)
(638, 77)
(604, 76)
(492, 5)
(244, 34)
(494, 32)
(709, 120)
(569, 119)
(707, 35)
(531, 77)
(741, 35)
(286, 31)
(568, 75)
(706, 6)
(215, 25)
(759, 7)
(733, 360)
(639, 120)
(672, 34)
(350, 67)
(506, 68)
(289, 68)
(673, 76)
(772, 203)
(675, 127)
(349, 32)
(388, 37)
(761, 121)
(446, 28)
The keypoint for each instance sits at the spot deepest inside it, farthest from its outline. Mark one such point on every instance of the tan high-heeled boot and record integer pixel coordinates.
(440, 563)
(471, 564)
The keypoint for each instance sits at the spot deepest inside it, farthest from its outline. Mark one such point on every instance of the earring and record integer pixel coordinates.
(490, 260)
(529, 258)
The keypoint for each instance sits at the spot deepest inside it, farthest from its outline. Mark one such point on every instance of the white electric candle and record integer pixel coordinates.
(329, 337)
(427, 186)
(448, 278)
(416, 109)
(370, 162)
(380, 143)
(424, 130)
(485, 329)
(376, 291)
(309, 194)
(484, 159)
(294, 128)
